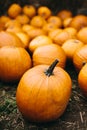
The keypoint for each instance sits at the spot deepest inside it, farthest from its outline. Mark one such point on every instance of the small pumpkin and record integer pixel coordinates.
(47, 54)
(44, 12)
(82, 35)
(71, 46)
(29, 10)
(24, 38)
(64, 13)
(55, 20)
(80, 57)
(14, 61)
(43, 93)
(37, 21)
(63, 36)
(79, 21)
(82, 80)
(34, 32)
(23, 19)
(39, 41)
(14, 10)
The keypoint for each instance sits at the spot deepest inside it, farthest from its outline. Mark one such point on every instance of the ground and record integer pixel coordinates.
(74, 117)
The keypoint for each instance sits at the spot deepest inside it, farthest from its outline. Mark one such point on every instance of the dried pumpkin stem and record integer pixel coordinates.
(84, 62)
(49, 71)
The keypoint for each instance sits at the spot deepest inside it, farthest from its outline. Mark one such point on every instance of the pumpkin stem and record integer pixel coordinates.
(49, 71)
(84, 62)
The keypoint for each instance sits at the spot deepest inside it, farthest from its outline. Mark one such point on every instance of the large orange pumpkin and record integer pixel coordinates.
(47, 54)
(14, 61)
(82, 80)
(43, 93)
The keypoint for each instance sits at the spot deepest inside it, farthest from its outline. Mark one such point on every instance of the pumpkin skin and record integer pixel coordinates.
(14, 61)
(43, 96)
(47, 54)
(82, 80)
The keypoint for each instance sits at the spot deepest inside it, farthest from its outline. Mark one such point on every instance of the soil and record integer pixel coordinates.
(74, 117)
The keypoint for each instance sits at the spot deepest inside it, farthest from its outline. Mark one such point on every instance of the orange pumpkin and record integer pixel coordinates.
(34, 32)
(43, 93)
(47, 54)
(39, 41)
(80, 57)
(54, 32)
(55, 20)
(10, 39)
(14, 10)
(44, 12)
(37, 21)
(63, 14)
(29, 10)
(63, 36)
(71, 46)
(82, 35)
(67, 21)
(49, 27)
(78, 22)
(23, 19)
(82, 80)
(24, 38)
(14, 61)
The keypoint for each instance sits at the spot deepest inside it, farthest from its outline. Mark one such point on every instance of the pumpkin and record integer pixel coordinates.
(63, 36)
(34, 32)
(72, 31)
(39, 41)
(12, 23)
(80, 57)
(37, 19)
(14, 10)
(10, 39)
(82, 35)
(64, 13)
(78, 22)
(29, 10)
(14, 61)
(69, 44)
(54, 32)
(49, 27)
(44, 12)
(27, 27)
(66, 21)
(82, 80)
(55, 20)
(24, 38)
(47, 54)
(23, 19)
(43, 93)
(4, 19)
